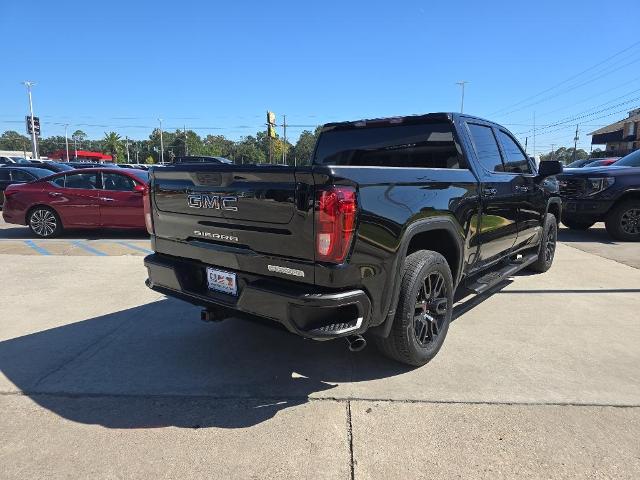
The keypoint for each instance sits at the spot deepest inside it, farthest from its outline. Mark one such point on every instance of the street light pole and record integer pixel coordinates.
(66, 140)
(127, 143)
(462, 83)
(34, 143)
(161, 143)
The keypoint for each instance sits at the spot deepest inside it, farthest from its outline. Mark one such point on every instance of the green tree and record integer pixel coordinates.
(564, 155)
(304, 146)
(248, 151)
(46, 146)
(12, 140)
(219, 146)
(113, 144)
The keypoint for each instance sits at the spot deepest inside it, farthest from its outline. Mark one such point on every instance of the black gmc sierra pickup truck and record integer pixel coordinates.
(610, 194)
(376, 235)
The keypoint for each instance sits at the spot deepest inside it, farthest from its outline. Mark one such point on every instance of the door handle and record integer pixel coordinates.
(106, 199)
(55, 194)
(490, 191)
(522, 188)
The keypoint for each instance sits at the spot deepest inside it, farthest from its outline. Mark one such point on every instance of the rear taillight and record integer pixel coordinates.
(9, 193)
(146, 201)
(335, 222)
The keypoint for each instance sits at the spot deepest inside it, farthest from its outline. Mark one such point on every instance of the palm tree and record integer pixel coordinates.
(113, 143)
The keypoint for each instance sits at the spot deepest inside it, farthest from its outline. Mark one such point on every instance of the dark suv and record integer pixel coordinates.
(610, 194)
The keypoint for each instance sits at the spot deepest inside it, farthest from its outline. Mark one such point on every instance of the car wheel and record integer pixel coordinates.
(44, 222)
(623, 221)
(547, 248)
(577, 225)
(424, 310)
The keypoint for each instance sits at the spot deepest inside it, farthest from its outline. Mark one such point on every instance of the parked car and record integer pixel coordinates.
(84, 165)
(88, 198)
(602, 162)
(586, 161)
(51, 166)
(11, 175)
(6, 161)
(392, 217)
(202, 159)
(610, 194)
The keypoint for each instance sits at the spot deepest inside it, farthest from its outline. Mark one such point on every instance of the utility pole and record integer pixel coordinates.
(127, 144)
(66, 139)
(534, 134)
(552, 150)
(575, 145)
(462, 83)
(526, 141)
(284, 147)
(34, 143)
(161, 143)
(186, 147)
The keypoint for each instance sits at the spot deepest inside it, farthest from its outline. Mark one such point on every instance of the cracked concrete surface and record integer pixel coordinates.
(104, 378)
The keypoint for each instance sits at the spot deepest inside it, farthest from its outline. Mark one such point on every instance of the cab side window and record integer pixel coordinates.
(118, 182)
(21, 176)
(87, 181)
(486, 147)
(515, 161)
(4, 174)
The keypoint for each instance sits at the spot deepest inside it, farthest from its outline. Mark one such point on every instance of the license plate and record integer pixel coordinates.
(222, 281)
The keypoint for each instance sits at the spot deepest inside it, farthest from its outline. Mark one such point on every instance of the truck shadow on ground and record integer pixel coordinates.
(595, 234)
(156, 365)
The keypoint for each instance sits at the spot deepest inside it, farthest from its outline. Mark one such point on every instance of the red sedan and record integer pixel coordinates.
(88, 198)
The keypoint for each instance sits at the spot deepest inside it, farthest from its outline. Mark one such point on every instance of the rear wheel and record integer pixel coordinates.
(424, 310)
(623, 221)
(44, 222)
(577, 225)
(547, 249)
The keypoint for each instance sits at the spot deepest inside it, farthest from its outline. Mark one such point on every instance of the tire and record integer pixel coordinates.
(423, 312)
(623, 221)
(547, 248)
(44, 222)
(577, 225)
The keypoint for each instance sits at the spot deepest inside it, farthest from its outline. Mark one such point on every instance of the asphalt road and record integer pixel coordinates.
(103, 378)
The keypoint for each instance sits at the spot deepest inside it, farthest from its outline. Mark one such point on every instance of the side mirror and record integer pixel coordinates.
(549, 168)
(139, 188)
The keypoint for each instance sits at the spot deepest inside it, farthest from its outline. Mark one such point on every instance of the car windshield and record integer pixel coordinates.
(631, 160)
(39, 172)
(579, 163)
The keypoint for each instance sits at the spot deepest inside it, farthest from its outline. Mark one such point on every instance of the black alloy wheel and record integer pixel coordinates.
(423, 312)
(431, 309)
(623, 221)
(630, 221)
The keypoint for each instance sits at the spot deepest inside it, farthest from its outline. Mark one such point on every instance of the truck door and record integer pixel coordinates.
(530, 195)
(497, 228)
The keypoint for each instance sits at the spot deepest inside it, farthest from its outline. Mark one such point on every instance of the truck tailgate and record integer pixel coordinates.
(254, 209)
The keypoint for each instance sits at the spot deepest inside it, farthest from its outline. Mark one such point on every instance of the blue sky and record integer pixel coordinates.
(216, 67)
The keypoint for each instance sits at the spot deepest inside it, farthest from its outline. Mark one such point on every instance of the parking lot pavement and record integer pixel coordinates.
(103, 377)
(596, 240)
(18, 240)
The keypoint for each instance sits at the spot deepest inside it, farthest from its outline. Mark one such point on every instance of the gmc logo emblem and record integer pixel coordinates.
(204, 200)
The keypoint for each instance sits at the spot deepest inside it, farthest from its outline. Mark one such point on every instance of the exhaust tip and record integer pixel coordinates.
(356, 343)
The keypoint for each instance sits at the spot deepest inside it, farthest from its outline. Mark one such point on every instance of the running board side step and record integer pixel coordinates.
(491, 279)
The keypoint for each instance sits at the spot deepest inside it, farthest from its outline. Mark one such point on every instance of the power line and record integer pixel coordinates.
(571, 88)
(568, 79)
